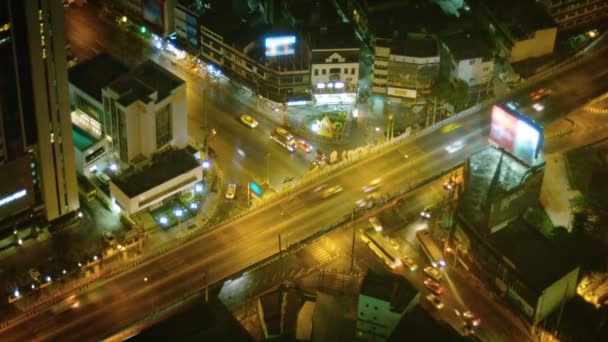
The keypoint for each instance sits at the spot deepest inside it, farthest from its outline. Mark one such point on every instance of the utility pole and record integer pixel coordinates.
(352, 252)
(206, 287)
(434, 109)
(268, 169)
(280, 259)
(285, 119)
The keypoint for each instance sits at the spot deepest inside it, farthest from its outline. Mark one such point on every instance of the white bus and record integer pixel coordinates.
(430, 248)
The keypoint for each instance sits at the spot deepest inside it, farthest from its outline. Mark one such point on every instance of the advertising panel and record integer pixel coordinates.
(280, 46)
(401, 92)
(515, 134)
(16, 187)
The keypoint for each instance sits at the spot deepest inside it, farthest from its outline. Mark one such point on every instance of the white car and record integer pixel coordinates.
(105, 179)
(375, 223)
(372, 186)
(435, 301)
(539, 107)
(231, 191)
(426, 213)
(455, 146)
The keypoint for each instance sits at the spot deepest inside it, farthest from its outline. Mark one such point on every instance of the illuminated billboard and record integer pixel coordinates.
(280, 46)
(515, 134)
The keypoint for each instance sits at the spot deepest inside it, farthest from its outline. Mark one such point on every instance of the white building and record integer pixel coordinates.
(383, 300)
(334, 71)
(146, 112)
(176, 172)
(467, 57)
(86, 81)
(405, 69)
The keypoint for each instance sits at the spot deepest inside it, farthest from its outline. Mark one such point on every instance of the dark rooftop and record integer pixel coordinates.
(415, 47)
(144, 80)
(520, 17)
(467, 46)
(92, 75)
(388, 287)
(484, 164)
(170, 164)
(237, 28)
(210, 321)
(350, 56)
(535, 258)
(419, 325)
(392, 19)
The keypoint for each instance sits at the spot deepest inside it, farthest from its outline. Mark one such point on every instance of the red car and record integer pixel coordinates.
(540, 93)
(303, 145)
(433, 286)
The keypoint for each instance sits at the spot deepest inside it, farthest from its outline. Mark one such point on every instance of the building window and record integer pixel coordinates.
(471, 62)
(316, 72)
(164, 131)
(324, 72)
(352, 71)
(346, 71)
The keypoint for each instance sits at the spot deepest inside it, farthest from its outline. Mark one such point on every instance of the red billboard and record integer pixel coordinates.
(514, 133)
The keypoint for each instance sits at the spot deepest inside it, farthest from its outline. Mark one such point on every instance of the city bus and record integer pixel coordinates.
(430, 248)
(387, 252)
(86, 189)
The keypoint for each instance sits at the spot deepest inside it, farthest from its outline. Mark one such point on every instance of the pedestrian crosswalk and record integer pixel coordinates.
(320, 254)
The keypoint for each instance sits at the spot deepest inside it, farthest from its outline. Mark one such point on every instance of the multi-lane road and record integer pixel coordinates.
(235, 245)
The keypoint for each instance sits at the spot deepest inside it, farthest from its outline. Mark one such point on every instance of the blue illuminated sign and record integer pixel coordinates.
(256, 189)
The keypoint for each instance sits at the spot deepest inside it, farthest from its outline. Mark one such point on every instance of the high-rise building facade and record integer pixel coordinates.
(36, 132)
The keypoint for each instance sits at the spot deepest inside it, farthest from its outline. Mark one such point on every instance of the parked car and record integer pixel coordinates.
(231, 191)
(109, 237)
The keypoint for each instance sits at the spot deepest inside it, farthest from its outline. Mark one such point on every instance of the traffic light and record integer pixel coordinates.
(142, 30)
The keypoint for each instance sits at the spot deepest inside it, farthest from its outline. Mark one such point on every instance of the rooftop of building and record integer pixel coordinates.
(82, 139)
(325, 29)
(388, 287)
(535, 258)
(415, 47)
(484, 165)
(92, 75)
(246, 31)
(237, 27)
(467, 45)
(166, 166)
(520, 17)
(419, 325)
(210, 321)
(396, 18)
(143, 81)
